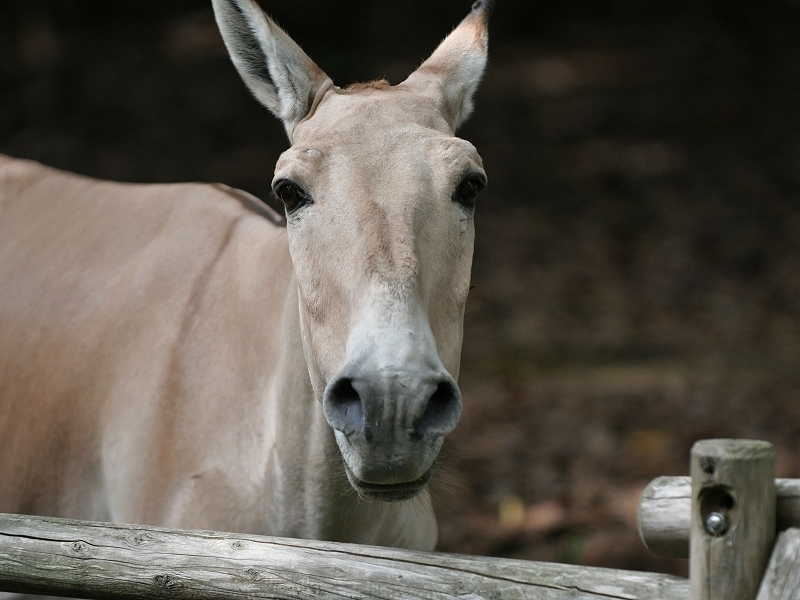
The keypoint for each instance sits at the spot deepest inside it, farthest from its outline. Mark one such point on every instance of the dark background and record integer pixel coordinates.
(637, 264)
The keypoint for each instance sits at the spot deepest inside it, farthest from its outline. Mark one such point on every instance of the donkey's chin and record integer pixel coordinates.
(388, 492)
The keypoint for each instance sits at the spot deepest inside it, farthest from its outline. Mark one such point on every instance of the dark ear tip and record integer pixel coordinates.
(484, 6)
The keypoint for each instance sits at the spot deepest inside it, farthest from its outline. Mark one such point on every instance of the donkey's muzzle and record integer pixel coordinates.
(390, 425)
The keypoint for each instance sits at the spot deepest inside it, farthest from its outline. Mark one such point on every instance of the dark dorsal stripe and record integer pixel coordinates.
(253, 203)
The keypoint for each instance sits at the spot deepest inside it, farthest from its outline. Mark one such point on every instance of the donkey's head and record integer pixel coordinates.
(379, 198)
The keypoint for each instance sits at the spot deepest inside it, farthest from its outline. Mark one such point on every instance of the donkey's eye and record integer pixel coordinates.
(468, 190)
(292, 195)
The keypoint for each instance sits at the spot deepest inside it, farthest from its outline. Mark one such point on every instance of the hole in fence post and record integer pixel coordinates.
(718, 509)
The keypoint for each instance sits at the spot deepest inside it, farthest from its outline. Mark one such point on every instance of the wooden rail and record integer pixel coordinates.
(665, 513)
(782, 579)
(100, 560)
(725, 514)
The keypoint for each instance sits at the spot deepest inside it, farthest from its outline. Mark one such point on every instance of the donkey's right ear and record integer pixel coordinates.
(454, 70)
(279, 74)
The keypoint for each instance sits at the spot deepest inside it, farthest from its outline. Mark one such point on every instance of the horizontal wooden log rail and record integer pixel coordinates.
(725, 514)
(42, 555)
(665, 513)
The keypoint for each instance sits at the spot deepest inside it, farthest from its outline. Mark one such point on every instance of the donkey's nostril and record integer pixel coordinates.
(344, 393)
(342, 406)
(442, 411)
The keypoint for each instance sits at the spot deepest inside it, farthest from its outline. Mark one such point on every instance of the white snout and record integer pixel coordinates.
(391, 405)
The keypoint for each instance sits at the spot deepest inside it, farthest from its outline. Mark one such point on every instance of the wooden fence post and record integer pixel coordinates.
(733, 518)
(665, 513)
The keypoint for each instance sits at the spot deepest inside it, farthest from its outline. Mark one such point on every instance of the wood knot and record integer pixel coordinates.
(252, 574)
(137, 539)
(79, 547)
(167, 583)
(708, 464)
(237, 545)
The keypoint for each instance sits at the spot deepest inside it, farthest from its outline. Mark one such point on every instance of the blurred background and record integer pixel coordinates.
(637, 265)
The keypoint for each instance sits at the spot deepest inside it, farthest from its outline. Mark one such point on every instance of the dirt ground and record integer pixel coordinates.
(637, 266)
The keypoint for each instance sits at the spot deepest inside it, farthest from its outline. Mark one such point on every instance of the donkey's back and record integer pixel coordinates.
(99, 281)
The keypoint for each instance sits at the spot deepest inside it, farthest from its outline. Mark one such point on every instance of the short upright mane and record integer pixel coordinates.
(378, 84)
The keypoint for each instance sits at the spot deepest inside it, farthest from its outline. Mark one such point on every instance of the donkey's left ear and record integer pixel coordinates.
(454, 70)
(279, 74)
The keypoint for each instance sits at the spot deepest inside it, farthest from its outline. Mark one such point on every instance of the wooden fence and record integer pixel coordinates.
(725, 517)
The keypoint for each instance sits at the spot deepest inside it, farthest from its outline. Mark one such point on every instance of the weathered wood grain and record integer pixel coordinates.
(665, 513)
(733, 480)
(101, 560)
(782, 579)
(665, 516)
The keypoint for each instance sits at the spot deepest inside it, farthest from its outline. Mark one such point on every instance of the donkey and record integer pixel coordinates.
(181, 355)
